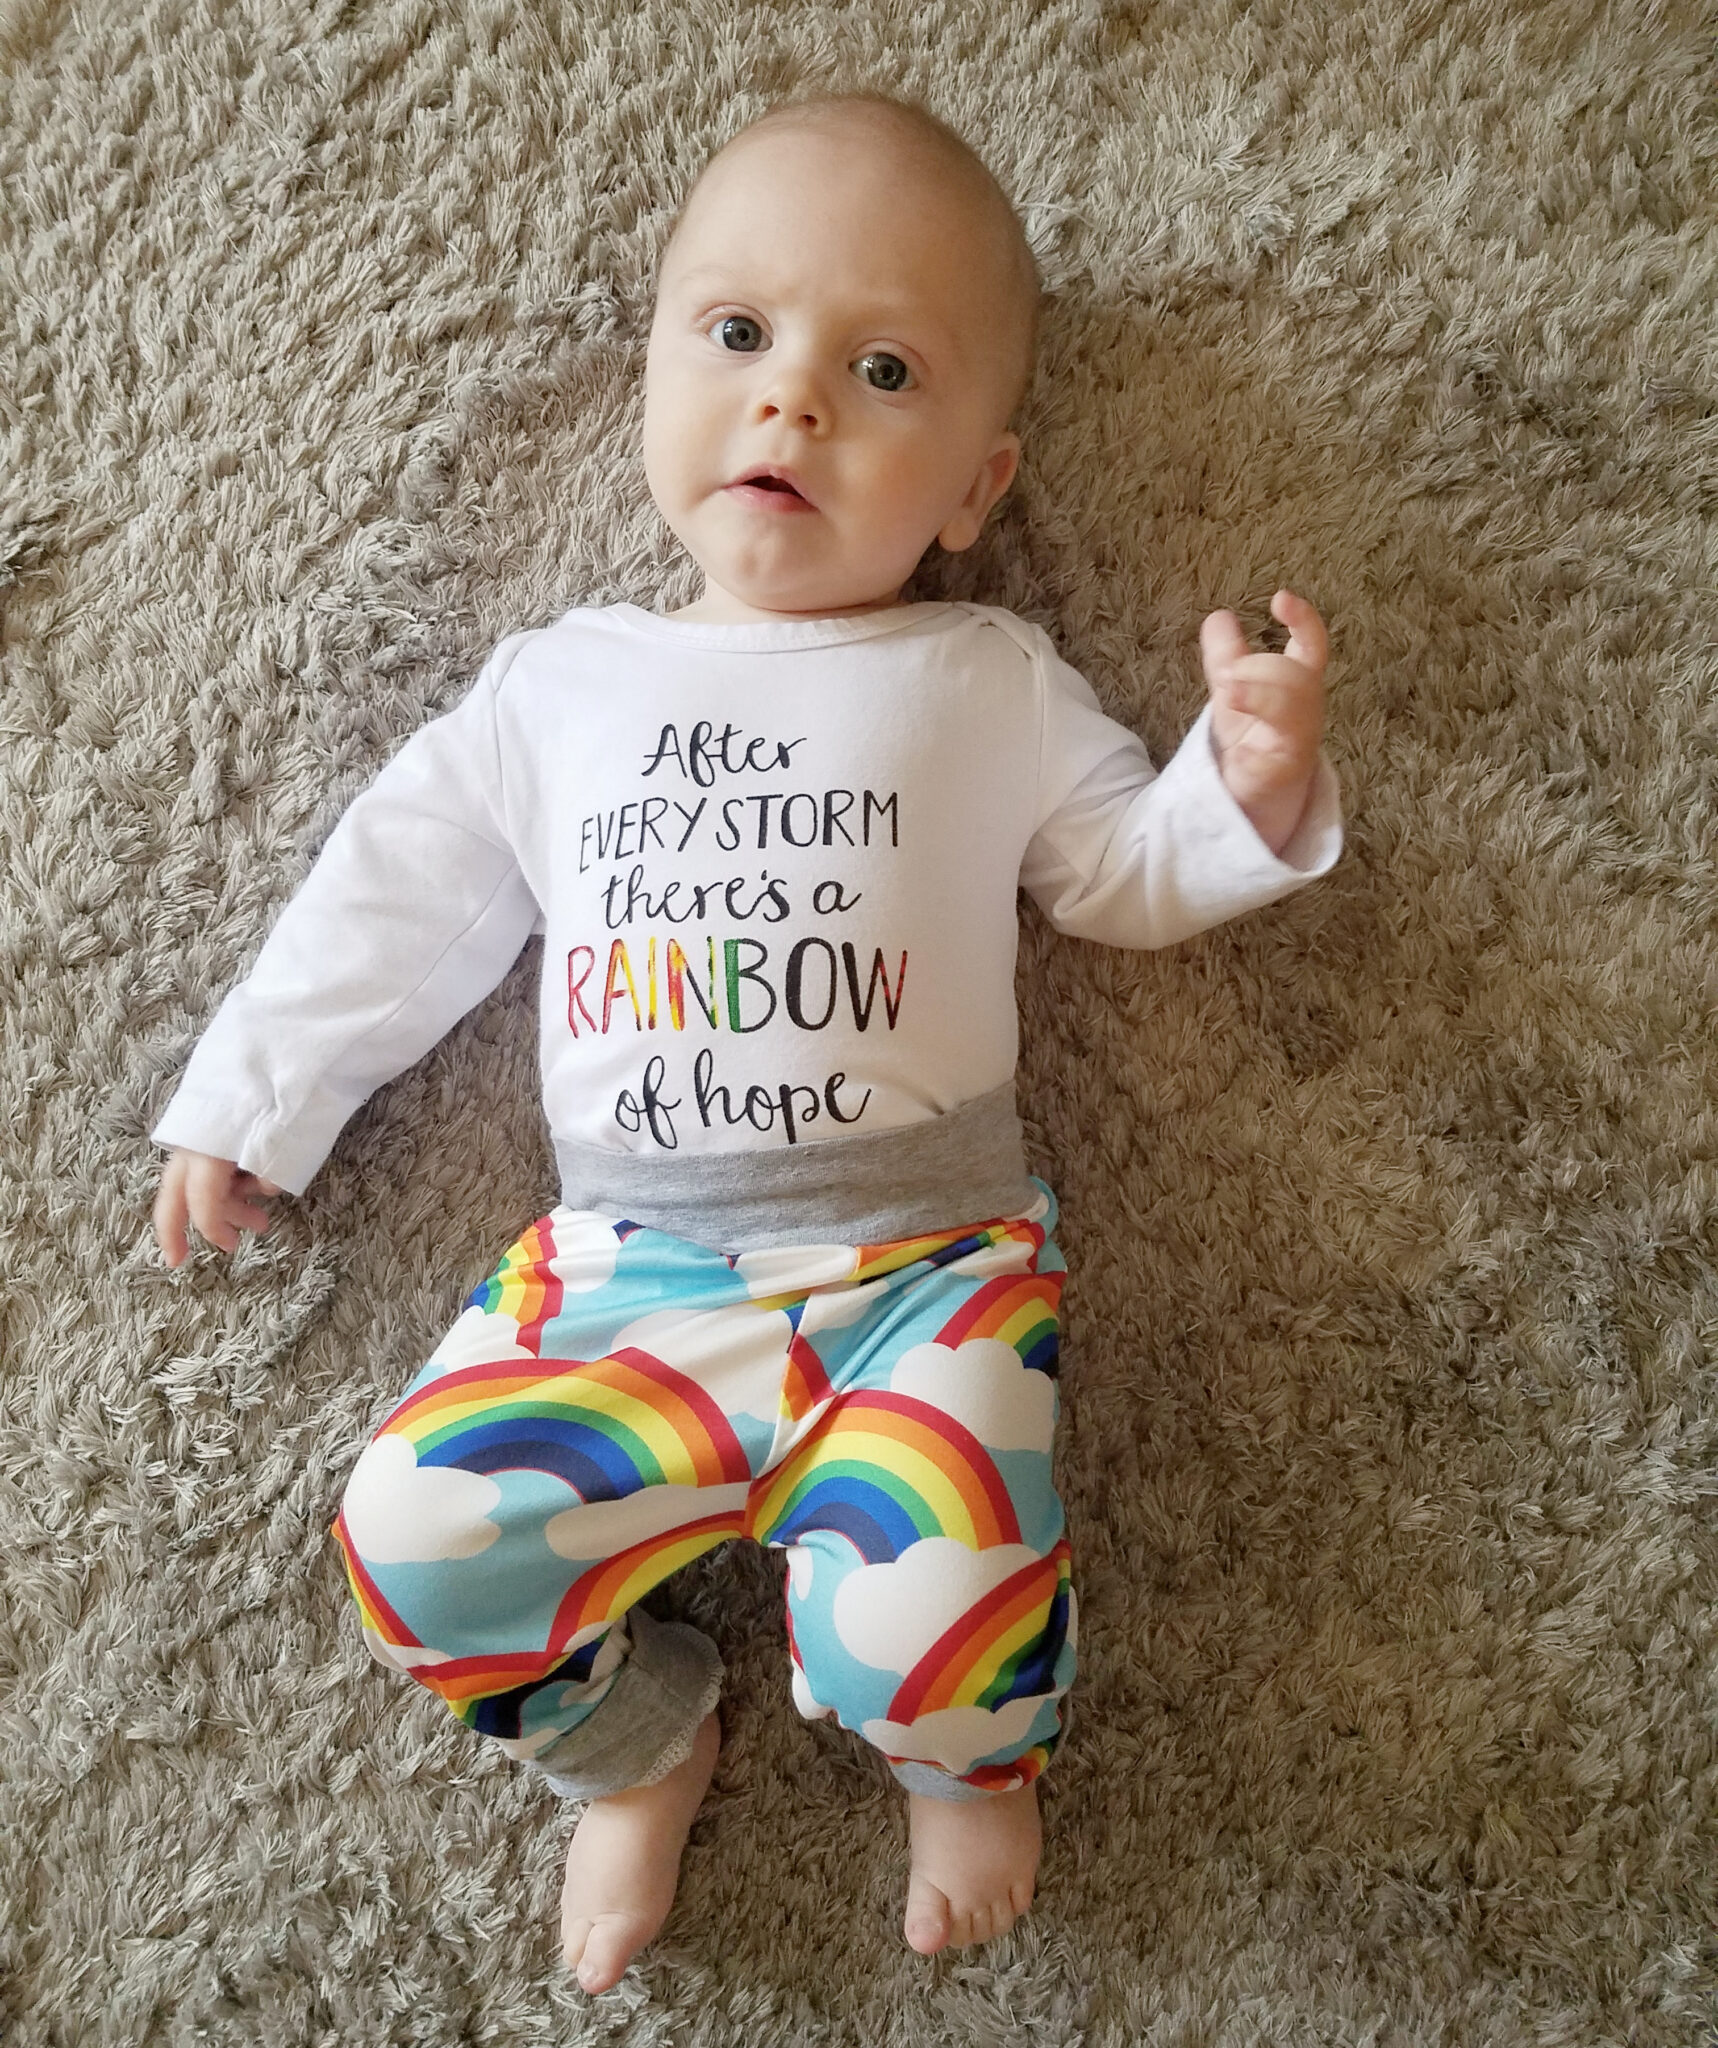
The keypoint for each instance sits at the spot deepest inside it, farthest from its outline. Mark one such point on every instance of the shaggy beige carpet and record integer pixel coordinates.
(1392, 1426)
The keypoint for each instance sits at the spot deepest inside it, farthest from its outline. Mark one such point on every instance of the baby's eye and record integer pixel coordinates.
(884, 372)
(741, 333)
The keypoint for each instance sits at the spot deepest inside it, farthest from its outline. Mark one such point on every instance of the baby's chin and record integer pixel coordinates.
(802, 570)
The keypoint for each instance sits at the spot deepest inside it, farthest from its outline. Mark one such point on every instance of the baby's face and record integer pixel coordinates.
(823, 324)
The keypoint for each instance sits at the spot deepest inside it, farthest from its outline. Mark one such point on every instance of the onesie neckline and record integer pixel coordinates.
(778, 636)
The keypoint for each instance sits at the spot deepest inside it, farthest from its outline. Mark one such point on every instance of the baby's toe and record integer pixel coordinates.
(574, 1935)
(611, 1942)
(929, 1924)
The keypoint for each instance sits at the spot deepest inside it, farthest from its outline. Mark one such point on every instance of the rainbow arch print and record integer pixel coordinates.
(942, 1248)
(937, 1248)
(1003, 1648)
(524, 1285)
(483, 1690)
(805, 1385)
(884, 1470)
(1020, 1310)
(502, 1713)
(1009, 1777)
(374, 1609)
(603, 1594)
(606, 1426)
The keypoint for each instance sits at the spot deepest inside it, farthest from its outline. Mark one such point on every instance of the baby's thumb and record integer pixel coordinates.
(1222, 643)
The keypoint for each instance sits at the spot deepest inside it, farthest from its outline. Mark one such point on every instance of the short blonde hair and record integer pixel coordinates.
(906, 120)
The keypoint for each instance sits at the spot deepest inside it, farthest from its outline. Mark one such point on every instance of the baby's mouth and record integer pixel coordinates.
(774, 493)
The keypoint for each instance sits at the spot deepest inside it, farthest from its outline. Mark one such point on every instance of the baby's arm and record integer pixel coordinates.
(1129, 856)
(1267, 714)
(412, 912)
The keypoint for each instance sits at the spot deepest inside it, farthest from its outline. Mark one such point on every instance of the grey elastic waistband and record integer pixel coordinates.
(963, 1167)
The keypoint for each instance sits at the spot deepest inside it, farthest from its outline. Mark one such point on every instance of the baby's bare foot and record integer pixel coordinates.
(973, 1865)
(623, 1863)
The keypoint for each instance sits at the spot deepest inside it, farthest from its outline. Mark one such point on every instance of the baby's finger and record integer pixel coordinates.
(213, 1228)
(1278, 668)
(1281, 693)
(221, 1213)
(169, 1218)
(246, 1215)
(1308, 641)
(221, 1227)
(1221, 643)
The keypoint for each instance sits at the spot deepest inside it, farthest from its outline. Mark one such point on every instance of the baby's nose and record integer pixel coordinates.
(802, 415)
(795, 394)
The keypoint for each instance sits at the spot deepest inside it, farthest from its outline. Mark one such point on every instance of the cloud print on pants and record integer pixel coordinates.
(586, 1249)
(889, 1615)
(401, 1656)
(955, 1737)
(983, 1385)
(603, 1528)
(794, 1268)
(401, 1512)
(806, 1700)
(737, 1352)
(478, 1338)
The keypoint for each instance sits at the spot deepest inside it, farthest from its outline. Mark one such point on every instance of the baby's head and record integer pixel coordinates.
(847, 307)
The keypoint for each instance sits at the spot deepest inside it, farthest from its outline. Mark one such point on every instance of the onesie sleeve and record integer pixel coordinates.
(1131, 857)
(412, 912)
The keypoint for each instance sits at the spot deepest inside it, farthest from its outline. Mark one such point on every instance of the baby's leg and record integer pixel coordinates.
(929, 1600)
(625, 1722)
(547, 1468)
(623, 1864)
(999, 1655)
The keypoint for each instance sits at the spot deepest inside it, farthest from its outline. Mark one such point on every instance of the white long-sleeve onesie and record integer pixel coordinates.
(775, 867)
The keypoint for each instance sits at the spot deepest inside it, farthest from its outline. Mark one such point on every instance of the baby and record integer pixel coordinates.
(799, 1286)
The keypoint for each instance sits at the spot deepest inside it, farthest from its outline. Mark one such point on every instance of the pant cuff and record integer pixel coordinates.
(646, 1721)
(931, 1783)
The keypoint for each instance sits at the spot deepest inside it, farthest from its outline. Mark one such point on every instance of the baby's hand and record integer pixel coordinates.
(218, 1196)
(1267, 714)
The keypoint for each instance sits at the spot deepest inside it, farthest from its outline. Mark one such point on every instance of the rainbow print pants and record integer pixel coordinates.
(613, 1401)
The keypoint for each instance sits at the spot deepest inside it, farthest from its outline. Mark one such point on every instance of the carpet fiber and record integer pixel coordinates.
(1391, 1434)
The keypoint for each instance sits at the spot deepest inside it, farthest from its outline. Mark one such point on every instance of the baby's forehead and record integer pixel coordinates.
(840, 203)
(843, 148)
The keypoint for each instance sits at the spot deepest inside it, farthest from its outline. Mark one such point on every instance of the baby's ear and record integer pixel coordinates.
(995, 474)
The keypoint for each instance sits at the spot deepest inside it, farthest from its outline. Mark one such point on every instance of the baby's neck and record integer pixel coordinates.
(721, 607)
